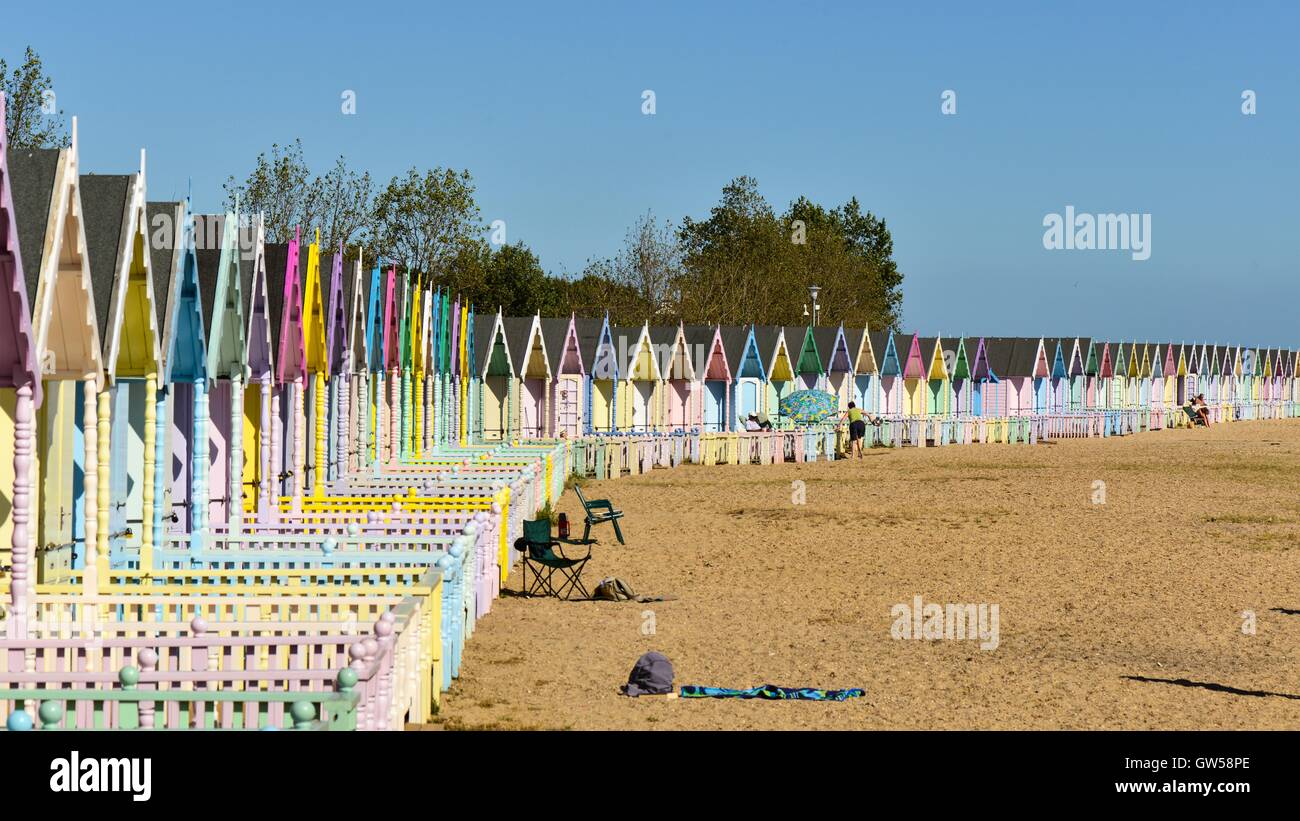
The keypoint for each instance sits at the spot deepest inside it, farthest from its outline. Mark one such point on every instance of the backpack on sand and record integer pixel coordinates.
(613, 589)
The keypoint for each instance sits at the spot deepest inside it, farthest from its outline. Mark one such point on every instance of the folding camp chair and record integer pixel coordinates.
(1193, 416)
(598, 512)
(540, 552)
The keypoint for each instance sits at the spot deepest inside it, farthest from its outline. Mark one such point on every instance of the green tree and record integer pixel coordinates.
(279, 187)
(33, 117)
(423, 221)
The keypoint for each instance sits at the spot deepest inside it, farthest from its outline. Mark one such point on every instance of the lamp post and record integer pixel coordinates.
(813, 290)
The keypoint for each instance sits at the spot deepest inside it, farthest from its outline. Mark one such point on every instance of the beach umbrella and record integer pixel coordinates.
(809, 407)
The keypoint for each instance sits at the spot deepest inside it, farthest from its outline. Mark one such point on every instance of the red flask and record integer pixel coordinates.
(563, 526)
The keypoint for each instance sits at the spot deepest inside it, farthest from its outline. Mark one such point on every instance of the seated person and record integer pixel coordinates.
(763, 422)
(751, 423)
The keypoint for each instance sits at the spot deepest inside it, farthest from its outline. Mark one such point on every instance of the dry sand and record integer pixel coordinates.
(1126, 614)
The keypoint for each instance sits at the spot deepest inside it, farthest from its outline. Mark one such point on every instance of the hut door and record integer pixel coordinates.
(715, 401)
(679, 399)
(566, 406)
(641, 392)
(748, 398)
(495, 394)
(531, 407)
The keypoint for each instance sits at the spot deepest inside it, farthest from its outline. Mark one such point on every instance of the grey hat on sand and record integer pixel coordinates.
(652, 675)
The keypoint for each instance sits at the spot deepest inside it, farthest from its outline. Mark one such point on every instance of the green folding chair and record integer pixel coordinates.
(599, 511)
(546, 558)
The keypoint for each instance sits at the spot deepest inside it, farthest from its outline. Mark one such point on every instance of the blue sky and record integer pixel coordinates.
(1121, 107)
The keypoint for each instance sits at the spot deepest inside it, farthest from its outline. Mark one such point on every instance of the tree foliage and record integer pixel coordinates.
(32, 118)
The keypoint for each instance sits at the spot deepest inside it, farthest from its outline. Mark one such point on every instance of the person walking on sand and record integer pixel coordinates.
(857, 428)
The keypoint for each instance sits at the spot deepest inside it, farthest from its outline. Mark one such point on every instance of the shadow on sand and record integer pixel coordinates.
(1209, 685)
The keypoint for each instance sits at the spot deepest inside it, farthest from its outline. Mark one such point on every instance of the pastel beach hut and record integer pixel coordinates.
(496, 378)
(983, 380)
(1145, 376)
(712, 409)
(116, 229)
(959, 375)
(938, 385)
(289, 436)
(748, 374)
(865, 377)
(316, 358)
(20, 400)
(1058, 378)
(639, 386)
(1003, 397)
(866, 371)
(374, 378)
(1082, 367)
(1171, 377)
(340, 311)
(1118, 383)
(45, 187)
(599, 355)
(890, 395)
(1133, 384)
(261, 402)
(218, 257)
(568, 379)
(809, 370)
(915, 374)
(1160, 383)
(533, 374)
(677, 377)
(777, 364)
(837, 363)
(1183, 374)
(184, 383)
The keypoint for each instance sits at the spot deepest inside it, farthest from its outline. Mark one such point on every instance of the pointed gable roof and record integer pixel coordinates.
(290, 353)
(832, 348)
(592, 335)
(914, 364)
(104, 202)
(998, 351)
(338, 311)
(46, 192)
(560, 336)
(32, 174)
(980, 367)
(890, 364)
(938, 368)
(314, 331)
(955, 351)
(18, 361)
(176, 286)
(220, 281)
(259, 356)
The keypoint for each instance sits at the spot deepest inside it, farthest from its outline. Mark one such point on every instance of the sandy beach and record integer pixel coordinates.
(1119, 610)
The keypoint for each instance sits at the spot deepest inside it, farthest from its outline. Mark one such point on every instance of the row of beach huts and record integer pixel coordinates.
(247, 484)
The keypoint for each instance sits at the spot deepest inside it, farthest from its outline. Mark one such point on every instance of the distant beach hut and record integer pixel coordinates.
(600, 356)
(218, 256)
(569, 377)
(20, 394)
(712, 407)
(46, 196)
(176, 288)
(677, 376)
(865, 387)
(638, 388)
(261, 402)
(891, 375)
(116, 228)
(778, 364)
(801, 343)
(533, 372)
(749, 374)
